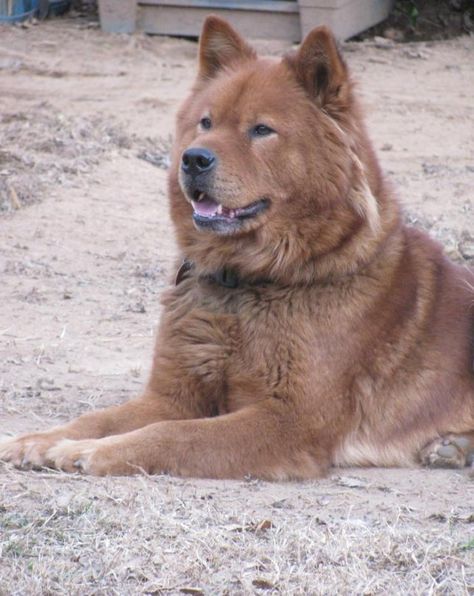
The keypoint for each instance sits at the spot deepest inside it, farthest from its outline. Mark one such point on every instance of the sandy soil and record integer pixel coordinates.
(86, 248)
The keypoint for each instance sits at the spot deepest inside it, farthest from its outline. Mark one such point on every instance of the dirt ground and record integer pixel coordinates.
(86, 248)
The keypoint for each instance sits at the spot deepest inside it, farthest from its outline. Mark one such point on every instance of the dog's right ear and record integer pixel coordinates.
(219, 46)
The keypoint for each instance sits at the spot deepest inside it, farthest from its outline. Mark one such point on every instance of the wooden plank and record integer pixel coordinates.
(345, 19)
(212, 5)
(264, 19)
(118, 16)
(175, 20)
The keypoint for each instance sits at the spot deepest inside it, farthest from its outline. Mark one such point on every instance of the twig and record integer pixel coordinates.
(14, 197)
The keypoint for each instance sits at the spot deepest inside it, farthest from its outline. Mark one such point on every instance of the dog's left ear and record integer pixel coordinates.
(321, 70)
(219, 46)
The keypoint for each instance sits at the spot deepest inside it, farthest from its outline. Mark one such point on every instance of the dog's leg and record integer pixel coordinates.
(29, 450)
(449, 451)
(262, 440)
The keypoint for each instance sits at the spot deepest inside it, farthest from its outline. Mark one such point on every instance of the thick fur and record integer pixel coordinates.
(349, 337)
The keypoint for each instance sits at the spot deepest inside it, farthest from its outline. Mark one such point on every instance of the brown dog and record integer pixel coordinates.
(309, 327)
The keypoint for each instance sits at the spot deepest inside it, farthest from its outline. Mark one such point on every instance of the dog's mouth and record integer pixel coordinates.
(210, 214)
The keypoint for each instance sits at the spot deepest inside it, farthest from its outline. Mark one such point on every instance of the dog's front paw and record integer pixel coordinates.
(27, 451)
(444, 452)
(98, 457)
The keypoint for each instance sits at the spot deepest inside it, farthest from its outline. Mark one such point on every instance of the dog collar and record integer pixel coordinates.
(224, 277)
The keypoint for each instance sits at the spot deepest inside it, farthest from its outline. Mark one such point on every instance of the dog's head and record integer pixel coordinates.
(266, 154)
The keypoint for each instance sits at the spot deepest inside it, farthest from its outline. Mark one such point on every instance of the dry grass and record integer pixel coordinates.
(78, 535)
(42, 148)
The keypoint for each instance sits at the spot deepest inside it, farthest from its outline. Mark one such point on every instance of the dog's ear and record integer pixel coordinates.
(321, 70)
(219, 46)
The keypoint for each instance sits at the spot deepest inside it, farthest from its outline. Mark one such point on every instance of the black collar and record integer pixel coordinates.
(225, 277)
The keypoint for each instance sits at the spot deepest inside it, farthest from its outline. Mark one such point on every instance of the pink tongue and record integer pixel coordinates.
(207, 208)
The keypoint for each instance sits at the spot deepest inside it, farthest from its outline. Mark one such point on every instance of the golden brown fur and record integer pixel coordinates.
(348, 337)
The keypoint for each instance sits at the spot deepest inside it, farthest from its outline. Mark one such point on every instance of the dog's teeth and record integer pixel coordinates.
(231, 213)
(201, 196)
(219, 210)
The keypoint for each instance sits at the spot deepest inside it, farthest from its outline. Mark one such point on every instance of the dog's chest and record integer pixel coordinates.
(243, 346)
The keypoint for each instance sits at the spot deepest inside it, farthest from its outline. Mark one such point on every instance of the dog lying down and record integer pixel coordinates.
(309, 327)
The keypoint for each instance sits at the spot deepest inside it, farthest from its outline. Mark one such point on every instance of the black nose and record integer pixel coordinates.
(197, 161)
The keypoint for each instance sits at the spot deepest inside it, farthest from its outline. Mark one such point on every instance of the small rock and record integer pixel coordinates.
(137, 307)
(351, 482)
(394, 34)
(466, 245)
(383, 43)
(453, 253)
(46, 384)
(416, 54)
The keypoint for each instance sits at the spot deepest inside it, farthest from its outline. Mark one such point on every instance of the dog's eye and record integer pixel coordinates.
(261, 130)
(205, 123)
